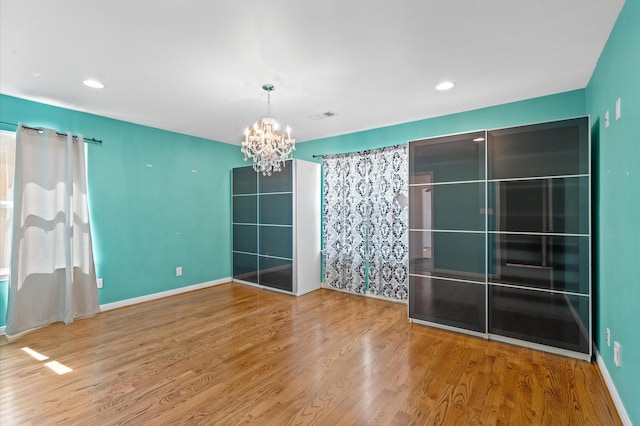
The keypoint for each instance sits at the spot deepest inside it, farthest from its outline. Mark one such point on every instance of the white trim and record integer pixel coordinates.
(622, 412)
(154, 296)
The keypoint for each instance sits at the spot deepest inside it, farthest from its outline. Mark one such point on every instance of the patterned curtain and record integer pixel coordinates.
(364, 227)
(389, 241)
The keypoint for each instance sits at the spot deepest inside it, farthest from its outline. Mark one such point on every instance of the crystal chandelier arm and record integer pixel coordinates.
(265, 144)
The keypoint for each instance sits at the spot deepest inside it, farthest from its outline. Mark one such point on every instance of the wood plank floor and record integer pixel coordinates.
(234, 354)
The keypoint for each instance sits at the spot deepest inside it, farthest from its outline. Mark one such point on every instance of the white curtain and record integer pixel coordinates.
(52, 270)
(365, 229)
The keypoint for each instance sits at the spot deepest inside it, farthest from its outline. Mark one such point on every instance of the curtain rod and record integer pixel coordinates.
(366, 151)
(93, 140)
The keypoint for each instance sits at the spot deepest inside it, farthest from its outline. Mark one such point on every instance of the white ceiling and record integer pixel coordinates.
(197, 66)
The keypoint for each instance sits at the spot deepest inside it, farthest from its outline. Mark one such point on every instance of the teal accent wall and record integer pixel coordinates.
(547, 108)
(616, 166)
(146, 221)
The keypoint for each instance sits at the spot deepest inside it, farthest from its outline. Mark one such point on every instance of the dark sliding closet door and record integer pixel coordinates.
(447, 231)
(504, 253)
(263, 227)
(276, 227)
(539, 238)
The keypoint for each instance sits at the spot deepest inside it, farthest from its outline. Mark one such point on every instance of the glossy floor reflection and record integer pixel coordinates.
(236, 354)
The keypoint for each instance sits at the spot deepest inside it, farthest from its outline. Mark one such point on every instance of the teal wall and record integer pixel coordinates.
(616, 165)
(546, 108)
(146, 221)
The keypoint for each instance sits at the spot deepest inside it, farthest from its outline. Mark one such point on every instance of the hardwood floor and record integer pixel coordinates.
(235, 354)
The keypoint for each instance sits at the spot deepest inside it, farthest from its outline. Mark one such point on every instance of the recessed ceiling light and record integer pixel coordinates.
(93, 83)
(445, 85)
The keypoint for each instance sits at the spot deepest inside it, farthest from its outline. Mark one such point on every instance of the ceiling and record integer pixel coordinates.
(197, 67)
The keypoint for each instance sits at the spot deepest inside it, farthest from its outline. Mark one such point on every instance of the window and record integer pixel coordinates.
(7, 158)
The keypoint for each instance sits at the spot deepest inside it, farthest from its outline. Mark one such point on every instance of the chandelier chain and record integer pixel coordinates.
(268, 103)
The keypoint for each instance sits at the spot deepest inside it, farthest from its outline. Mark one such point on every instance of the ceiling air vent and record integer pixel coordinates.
(322, 115)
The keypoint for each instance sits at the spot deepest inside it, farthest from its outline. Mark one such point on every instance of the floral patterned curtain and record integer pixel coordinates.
(364, 227)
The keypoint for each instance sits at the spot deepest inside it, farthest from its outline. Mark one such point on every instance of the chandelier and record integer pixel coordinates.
(265, 144)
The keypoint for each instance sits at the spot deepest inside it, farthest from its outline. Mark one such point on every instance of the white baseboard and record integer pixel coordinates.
(622, 412)
(154, 296)
(148, 297)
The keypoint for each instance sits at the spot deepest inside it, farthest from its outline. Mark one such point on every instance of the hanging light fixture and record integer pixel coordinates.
(265, 144)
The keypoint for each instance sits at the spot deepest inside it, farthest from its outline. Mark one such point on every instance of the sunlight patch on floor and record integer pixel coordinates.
(58, 368)
(35, 354)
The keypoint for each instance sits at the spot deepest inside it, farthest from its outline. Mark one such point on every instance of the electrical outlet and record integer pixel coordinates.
(607, 335)
(617, 354)
(179, 271)
(99, 282)
(606, 119)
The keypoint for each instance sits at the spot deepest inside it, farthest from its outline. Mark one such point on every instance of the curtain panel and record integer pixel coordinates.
(365, 228)
(52, 269)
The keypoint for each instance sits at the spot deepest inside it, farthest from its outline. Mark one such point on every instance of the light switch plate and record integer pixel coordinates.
(606, 119)
(618, 109)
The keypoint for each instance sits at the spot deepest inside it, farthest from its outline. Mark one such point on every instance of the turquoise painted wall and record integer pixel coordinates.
(546, 108)
(146, 221)
(617, 193)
